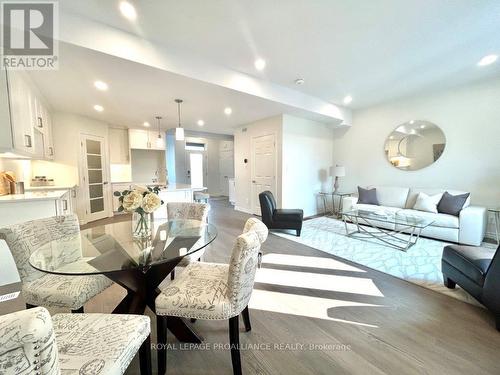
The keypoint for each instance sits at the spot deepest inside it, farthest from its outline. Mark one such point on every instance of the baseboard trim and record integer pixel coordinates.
(243, 209)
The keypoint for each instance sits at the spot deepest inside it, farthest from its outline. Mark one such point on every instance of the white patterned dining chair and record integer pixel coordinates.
(34, 343)
(50, 290)
(212, 291)
(188, 211)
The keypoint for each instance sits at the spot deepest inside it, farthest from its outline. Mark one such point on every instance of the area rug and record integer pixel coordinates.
(420, 265)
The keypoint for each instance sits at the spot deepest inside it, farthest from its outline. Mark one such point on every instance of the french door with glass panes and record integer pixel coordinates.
(95, 178)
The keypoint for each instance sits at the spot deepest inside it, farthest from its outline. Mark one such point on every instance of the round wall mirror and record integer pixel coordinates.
(415, 145)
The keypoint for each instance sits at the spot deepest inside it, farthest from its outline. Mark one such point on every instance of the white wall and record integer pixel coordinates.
(307, 158)
(242, 140)
(470, 119)
(144, 165)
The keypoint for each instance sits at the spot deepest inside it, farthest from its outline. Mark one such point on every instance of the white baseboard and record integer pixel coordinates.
(243, 209)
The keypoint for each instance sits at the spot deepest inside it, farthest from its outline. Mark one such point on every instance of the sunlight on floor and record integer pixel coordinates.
(307, 306)
(304, 261)
(311, 307)
(344, 284)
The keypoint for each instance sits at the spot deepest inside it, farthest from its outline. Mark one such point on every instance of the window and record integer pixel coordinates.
(194, 146)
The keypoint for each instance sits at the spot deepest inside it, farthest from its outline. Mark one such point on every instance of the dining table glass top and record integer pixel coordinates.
(112, 248)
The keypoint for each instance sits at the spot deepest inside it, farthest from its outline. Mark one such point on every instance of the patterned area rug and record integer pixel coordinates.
(420, 265)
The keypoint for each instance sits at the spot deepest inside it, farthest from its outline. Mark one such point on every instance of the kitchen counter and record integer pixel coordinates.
(33, 196)
(50, 188)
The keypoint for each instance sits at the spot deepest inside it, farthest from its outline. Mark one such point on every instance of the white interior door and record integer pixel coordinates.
(95, 178)
(263, 168)
(226, 170)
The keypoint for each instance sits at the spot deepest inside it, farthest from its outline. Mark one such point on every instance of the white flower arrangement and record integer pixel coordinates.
(141, 201)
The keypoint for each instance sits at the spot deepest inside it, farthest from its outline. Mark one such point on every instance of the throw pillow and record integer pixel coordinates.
(367, 196)
(452, 204)
(427, 203)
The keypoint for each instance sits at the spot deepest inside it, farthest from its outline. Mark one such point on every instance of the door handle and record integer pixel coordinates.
(105, 183)
(253, 181)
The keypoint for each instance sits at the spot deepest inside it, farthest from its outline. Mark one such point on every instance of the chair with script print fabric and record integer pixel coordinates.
(33, 343)
(212, 291)
(51, 290)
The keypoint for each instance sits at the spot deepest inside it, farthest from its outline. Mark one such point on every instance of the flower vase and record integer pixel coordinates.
(142, 227)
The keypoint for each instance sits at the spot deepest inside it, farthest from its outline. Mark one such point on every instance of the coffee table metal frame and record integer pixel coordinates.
(366, 228)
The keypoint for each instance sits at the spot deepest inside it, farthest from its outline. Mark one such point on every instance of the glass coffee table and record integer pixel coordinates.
(400, 231)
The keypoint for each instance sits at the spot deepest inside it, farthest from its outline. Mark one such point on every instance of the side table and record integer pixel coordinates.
(337, 210)
(496, 216)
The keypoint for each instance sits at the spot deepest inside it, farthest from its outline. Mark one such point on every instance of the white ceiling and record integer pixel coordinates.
(375, 50)
(138, 93)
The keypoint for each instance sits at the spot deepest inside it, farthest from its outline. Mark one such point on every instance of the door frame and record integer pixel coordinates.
(252, 170)
(84, 195)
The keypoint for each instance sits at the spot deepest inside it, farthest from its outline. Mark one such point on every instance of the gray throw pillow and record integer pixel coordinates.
(367, 196)
(452, 204)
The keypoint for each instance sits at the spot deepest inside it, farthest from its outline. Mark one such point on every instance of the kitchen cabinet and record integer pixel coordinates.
(26, 127)
(145, 140)
(119, 152)
(22, 108)
(35, 205)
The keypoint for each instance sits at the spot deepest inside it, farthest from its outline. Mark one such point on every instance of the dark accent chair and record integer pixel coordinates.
(279, 218)
(477, 270)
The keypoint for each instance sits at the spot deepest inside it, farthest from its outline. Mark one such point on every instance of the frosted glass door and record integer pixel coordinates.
(95, 178)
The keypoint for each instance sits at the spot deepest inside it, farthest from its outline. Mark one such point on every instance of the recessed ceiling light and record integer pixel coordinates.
(422, 126)
(412, 122)
(487, 60)
(146, 124)
(347, 99)
(260, 64)
(100, 85)
(201, 122)
(228, 110)
(299, 81)
(99, 108)
(128, 10)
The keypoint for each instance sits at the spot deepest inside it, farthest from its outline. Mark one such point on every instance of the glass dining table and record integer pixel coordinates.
(138, 265)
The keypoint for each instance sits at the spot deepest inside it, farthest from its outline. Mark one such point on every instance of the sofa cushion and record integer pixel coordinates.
(413, 194)
(452, 204)
(289, 215)
(472, 261)
(427, 203)
(367, 196)
(392, 196)
(440, 220)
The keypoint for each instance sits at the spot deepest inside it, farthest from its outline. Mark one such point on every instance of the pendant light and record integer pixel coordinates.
(179, 131)
(159, 141)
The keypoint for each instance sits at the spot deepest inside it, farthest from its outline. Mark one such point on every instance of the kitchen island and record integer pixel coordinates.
(170, 193)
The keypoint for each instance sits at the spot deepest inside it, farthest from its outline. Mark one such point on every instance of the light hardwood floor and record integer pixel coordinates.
(406, 330)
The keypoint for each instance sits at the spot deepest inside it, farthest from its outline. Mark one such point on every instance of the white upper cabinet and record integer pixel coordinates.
(27, 132)
(118, 146)
(22, 107)
(145, 140)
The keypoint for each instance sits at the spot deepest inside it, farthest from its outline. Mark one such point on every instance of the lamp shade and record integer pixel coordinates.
(179, 134)
(339, 171)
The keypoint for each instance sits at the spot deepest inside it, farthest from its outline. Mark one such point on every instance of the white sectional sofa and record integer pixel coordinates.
(468, 228)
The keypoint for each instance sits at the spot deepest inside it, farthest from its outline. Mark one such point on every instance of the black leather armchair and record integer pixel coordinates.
(279, 218)
(477, 270)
